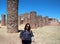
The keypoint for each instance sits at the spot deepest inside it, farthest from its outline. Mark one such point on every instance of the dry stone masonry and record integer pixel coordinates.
(33, 19)
(46, 20)
(38, 21)
(26, 18)
(12, 19)
(3, 23)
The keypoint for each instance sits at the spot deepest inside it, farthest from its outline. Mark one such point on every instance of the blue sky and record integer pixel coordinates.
(49, 8)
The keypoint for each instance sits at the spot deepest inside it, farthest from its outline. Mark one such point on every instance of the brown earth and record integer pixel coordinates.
(44, 35)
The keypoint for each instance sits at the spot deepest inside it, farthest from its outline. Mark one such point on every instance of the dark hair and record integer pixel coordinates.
(28, 26)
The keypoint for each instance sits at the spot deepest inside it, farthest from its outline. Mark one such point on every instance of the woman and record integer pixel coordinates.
(26, 34)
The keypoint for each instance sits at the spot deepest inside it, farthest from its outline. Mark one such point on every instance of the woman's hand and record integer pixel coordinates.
(20, 41)
(33, 39)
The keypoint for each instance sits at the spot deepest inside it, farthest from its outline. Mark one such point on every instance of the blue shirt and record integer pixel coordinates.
(26, 35)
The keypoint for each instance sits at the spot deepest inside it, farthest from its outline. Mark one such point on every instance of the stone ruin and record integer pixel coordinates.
(53, 22)
(13, 19)
(37, 21)
(3, 22)
(34, 20)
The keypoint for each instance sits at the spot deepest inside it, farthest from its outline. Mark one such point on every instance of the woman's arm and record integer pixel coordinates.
(32, 34)
(32, 37)
(21, 34)
(20, 41)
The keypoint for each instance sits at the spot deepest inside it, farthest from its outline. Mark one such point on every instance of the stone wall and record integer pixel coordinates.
(26, 18)
(33, 19)
(40, 21)
(43, 22)
(54, 22)
(3, 22)
(37, 21)
(19, 19)
(12, 19)
(46, 20)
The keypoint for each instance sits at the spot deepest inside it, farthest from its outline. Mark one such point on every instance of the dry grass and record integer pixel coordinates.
(44, 35)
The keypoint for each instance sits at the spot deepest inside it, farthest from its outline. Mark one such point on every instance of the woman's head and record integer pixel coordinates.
(27, 27)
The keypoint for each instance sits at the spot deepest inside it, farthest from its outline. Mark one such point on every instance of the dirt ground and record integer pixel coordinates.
(44, 35)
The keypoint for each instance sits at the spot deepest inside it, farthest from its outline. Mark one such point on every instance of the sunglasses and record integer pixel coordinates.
(27, 25)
